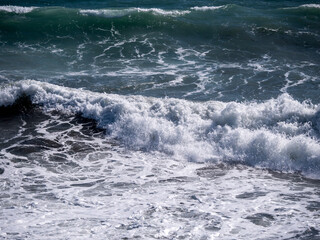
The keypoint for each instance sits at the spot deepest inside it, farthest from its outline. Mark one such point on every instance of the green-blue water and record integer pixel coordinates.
(198, 50)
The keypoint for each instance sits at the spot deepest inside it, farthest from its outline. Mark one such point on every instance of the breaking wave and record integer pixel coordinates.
(124, 12)
(16, 9)
(310, 6)
(279, 134)
(207, 8)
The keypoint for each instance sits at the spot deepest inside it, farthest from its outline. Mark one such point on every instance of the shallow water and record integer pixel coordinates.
(63, 179)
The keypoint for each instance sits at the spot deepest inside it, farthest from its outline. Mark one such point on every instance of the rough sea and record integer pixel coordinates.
(172, 119)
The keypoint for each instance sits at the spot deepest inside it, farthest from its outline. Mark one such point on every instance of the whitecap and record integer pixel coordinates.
(16, 9)
(310, 5)
(207, 8)
(123, 12)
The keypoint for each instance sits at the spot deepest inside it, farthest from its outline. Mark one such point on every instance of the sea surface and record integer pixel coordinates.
(172, 119)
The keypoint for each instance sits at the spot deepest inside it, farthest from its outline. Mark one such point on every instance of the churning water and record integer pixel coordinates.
(171, 120)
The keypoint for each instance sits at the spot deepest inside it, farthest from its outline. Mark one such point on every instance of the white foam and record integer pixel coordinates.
(17, 9)
(207, 8)
(294, 83)
(280, 133)
(310, 5)
(160, 11)
(108, 12)
(123, 12)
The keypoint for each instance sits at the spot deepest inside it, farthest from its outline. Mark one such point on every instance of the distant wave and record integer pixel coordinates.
(124, 12)
(310, 5)
(17, 9)
(107, 12)
(117, 12)
(305, 7)
(156, 11)
(206, 8)
(280, 134)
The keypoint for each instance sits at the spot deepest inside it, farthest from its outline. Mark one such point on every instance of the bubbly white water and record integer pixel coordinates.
(280, 134)
(61, 181)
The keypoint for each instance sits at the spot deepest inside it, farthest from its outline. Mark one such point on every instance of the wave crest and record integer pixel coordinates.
(123, 12)
(281, 134)
(208, 8)
(17, 9)
(310, 5)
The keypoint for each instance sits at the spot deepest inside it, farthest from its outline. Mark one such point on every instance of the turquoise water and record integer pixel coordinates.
(159, 120)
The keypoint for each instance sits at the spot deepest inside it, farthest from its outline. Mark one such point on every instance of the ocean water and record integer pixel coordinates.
(160, 119)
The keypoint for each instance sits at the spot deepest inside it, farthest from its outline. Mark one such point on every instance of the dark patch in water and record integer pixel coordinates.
(213, 171)
(124, 185)
(309, 234)
(218, 170)
(295, 178)
(89, 126)
(76, 147)
(60, 127)
(42, 142)
(25, 150)
(179, 179)
(58, 159)
(88, 184)
(313, 206)
(251, 195)
(22, 105)
(35, 188)
(261, 219)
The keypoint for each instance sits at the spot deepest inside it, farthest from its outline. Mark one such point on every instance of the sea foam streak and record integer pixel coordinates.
(280, 134)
